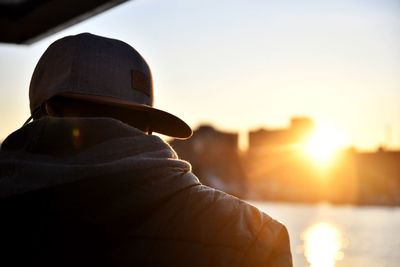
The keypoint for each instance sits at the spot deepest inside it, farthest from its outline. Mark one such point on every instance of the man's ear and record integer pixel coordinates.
(49, 110)
(43, 110)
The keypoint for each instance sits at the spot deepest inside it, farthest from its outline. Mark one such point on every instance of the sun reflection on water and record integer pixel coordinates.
(322, 245)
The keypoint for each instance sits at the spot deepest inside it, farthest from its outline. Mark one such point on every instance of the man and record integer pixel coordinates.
(86, 184)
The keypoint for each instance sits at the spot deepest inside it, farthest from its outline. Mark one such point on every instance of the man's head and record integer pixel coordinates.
(89, 75)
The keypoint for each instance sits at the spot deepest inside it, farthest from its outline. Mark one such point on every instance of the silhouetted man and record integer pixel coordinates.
(86, 184)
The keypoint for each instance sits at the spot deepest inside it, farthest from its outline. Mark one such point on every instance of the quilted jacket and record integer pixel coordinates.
(97, 192)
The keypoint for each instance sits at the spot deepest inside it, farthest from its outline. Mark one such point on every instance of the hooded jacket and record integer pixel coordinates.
(97, 192)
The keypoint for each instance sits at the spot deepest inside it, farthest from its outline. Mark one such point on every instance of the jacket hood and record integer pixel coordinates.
(55, 151)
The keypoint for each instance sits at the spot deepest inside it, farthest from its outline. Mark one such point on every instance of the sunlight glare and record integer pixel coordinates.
(324, 143)
(323, 243)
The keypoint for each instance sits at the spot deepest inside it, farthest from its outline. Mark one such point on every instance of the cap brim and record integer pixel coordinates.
(159, 121)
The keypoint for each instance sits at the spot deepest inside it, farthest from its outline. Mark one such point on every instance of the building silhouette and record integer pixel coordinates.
(215, 159)
(275, 167)
(379, 174)
(267, 139)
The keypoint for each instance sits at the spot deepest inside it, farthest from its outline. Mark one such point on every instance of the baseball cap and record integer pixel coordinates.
(104, 71)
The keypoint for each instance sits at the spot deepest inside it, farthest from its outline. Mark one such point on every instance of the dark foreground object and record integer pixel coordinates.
(96, 192)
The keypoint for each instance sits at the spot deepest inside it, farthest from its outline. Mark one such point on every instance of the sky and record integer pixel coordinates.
(241, 65)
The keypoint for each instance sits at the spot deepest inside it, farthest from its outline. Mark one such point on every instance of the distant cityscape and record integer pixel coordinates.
(275, 168)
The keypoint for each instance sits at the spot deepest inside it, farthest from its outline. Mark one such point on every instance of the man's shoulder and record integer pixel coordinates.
(261, 239)
(221, 204)
(226, 218)
(216, 219)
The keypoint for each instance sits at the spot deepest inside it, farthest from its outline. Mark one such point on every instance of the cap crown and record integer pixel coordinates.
(87, 64)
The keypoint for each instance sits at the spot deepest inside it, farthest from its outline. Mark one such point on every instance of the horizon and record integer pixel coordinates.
(243, 136)
(242, 66)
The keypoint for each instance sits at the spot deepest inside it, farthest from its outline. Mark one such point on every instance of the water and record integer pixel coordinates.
(323, 235)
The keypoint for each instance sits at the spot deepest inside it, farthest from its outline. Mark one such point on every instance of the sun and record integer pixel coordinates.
(325, 141)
